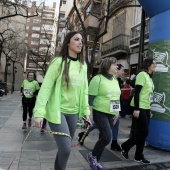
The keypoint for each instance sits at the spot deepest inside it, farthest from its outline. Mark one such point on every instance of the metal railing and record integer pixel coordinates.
(118, 3)
(120, 42)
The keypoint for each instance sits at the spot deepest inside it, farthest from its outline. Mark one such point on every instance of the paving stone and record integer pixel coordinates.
(39, 150)
(6, 112)
(29, 167)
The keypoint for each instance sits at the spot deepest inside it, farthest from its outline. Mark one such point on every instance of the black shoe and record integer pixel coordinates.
(24, 126)
(124, 153)
(115, 146)
(42, 130)
(144, 161)
(29, 122)
(80, 135)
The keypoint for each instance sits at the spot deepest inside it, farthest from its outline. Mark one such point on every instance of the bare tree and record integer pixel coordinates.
(10, 38)
(43, 56)
(5, 36)
(17, 52)
(103, 13)
(15, 8)
(7, 54)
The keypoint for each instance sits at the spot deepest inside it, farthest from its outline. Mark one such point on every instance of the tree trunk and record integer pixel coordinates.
(13, 77)
(5, 77)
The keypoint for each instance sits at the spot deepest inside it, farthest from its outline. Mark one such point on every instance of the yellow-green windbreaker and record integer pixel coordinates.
(48, 100)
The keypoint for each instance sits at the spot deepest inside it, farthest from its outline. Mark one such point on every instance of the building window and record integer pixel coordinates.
(26, 34)
(44, 41)
(64, 2)
(47, 22)
(31, 65)
(47, 15)
(26, 41)
(36, 28)
(43, 49)
(88, 10)
(34, 49)
(28, 20)
(27, 27)
(32, 57)
(47, 27)
(34, 42)
(35, 35)
(46, 36)
(36, 21)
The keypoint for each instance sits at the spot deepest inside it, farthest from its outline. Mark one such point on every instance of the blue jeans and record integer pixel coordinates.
(115, 130)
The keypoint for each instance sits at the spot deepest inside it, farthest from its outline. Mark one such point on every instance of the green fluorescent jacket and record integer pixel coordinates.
(48, 100)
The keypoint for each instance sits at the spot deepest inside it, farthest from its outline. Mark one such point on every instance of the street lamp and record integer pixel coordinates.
(142, 37)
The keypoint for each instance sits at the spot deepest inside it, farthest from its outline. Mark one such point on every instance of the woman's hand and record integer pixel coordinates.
(136, 113)
(88, 119)
(37, 122)
(115, 118)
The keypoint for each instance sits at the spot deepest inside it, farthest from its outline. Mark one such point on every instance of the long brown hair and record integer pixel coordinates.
(64, 54)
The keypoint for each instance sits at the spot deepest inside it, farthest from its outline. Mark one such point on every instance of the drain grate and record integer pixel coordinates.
(156, 166)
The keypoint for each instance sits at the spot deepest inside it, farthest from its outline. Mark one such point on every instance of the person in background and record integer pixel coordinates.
(104, 99)
(125, 97)
(120, 74)
(29, 90)
(141, 116)
(43, 125)
(63, 97)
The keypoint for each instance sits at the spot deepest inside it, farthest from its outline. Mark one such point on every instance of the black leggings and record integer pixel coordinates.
(141, 130)
(104, 123)
(28, 105)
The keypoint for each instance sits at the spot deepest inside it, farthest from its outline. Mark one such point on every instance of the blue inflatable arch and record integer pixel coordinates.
(159, 49)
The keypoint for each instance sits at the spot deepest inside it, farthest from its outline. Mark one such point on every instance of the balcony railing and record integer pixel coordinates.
(120, 42)
(135, 33)
(117, 3)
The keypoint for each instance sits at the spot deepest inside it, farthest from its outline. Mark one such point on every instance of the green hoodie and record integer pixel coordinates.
(49, 96)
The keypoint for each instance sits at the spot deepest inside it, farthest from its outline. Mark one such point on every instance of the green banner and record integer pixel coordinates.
(160, 107)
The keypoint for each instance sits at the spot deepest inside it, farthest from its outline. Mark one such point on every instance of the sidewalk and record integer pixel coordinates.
(39, 150)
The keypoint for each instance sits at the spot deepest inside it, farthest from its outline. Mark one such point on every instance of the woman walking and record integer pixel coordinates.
(104, 98)
(63, 97)
(29, 90)
(141, 116)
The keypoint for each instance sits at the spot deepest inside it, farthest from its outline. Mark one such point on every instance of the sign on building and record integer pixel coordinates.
(90, 45)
